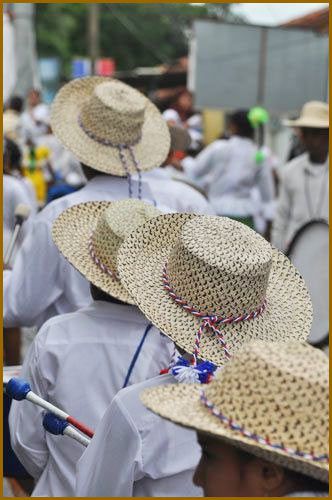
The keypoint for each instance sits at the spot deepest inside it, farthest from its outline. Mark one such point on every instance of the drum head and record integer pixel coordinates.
(309, 252)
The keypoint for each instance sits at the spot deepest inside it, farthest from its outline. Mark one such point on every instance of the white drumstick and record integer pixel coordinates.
(22, 212)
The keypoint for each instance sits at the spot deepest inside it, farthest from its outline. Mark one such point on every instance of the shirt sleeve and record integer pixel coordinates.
(205, 162)
(27, 433)
(113, 460)
(282, 216)
(34, 283)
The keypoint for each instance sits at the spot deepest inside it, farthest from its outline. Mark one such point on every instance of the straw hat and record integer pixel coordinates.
(89, 236)
(110, 126)
(314, 114)
(271, 400)
(218, 272)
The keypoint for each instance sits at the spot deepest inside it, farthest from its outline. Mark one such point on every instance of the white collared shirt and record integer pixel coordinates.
(15, 191)
(228, 171)
(78, 362)
(179, 196)
(42, 283)
(293, 207)
(134, 452)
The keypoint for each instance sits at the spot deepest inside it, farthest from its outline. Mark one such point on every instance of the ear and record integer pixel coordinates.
(272, 477)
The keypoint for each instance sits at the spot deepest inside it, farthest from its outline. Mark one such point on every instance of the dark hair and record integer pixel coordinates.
(242, 124)
(300, 481)
(15, 103)
(98, 294)
(12, 156)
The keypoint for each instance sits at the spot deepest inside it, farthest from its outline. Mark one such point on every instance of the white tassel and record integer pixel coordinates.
(186, 374)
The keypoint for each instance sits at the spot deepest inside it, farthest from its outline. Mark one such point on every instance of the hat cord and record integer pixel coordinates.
(121, 149)
(265, 441)
(208, 321)
(98, 262)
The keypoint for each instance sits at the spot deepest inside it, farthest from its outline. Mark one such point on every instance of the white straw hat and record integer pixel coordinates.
(271, 400)
(212, 284)
(110, 126)
(90, 234)
(314, 114)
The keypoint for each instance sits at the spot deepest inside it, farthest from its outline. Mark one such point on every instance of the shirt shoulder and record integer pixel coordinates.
(294, 167)
(129, 401)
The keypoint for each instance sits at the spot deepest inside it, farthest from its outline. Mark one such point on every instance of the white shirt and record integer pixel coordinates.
(294, 209)
(78, 362)
(227, 169)
(42, 283)
(14, 193)
(179, 196)
(134, 452)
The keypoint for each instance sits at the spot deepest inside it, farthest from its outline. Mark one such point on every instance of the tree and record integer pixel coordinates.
(133, 34)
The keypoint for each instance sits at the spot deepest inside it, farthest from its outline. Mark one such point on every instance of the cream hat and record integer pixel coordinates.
(214, 282)
(110, 126)
(271, 400)
(314, 114)
(90, 234)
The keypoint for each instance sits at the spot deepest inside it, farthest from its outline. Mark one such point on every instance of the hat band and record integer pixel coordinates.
(121, 148)
(265, 441)
(98, 262)
(209, 322)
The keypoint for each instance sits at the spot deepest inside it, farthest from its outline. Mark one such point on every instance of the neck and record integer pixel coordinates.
(318, 158)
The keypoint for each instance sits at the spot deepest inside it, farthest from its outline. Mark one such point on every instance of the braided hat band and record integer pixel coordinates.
(121, 150)
(265, 441)
(98, 262)
(209, 322)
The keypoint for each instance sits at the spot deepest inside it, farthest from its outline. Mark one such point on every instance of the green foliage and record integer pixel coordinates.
(133, 34)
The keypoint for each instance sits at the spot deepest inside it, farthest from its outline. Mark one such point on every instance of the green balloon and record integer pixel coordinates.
(260, 157)
(258, 116)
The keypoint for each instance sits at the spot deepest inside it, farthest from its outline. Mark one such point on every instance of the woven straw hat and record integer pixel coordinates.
(314, 114)
(90, 234)
(216, 266)
(110, 126)
(271, 400)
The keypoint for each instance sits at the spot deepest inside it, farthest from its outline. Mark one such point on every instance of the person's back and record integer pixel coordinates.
(79, 361)
(41, 284)
(146, 465)
(29, 298)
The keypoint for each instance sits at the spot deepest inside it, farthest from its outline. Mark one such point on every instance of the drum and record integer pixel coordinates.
(309, 252)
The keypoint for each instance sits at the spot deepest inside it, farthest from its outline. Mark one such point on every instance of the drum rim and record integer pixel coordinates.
(325, 340)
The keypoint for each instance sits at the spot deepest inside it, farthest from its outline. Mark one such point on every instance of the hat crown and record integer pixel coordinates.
(114, 113)
(115, 224)
(220, 266)
(315, 109)
(277, 391)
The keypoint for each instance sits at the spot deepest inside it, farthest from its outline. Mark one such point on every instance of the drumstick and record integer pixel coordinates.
(19, 389)
(57, 426)
(22, 212)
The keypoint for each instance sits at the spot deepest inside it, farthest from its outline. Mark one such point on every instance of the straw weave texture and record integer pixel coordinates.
(277, 391)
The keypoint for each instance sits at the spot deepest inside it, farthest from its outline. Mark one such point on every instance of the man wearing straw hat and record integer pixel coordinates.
(304, 181)
(115, 132)
(79, 361)
(262, 423)
(211, 284)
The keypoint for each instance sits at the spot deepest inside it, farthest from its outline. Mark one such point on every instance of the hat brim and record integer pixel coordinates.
(309, 123)
(181, 404)
(141, 258)
(71, 233)
(150, 152)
